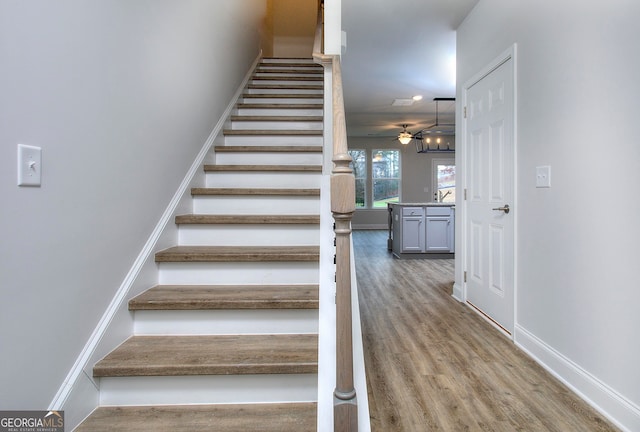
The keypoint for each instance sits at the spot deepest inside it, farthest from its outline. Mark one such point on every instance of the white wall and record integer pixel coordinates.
(577, 242)
(121, 95)
(332, 26)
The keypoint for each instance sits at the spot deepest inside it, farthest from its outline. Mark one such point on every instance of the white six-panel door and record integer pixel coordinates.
(490, 189)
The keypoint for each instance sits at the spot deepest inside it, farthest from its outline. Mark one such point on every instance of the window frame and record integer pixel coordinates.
(398, 178)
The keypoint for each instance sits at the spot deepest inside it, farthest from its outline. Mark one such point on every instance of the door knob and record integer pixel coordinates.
(505, 209)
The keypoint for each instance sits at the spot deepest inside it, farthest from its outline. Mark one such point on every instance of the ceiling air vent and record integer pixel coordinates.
(402, 102)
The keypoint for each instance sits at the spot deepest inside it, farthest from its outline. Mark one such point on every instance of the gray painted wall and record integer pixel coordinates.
(121, 95)
(577, 242)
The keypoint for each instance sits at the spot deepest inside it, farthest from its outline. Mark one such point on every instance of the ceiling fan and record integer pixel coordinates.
(405, 136)
(423, 137)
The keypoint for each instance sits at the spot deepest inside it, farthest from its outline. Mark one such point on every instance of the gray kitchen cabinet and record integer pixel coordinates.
(440, 229)
(413, 230)
(421, 229)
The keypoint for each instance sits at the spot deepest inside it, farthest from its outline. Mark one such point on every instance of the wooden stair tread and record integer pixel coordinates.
(211, 355)
(269, 149)
(238, 253)
(272, 132)
(289, 70)
(282, 96)
(254, 192)
(284, 86)
(277, 118)
(269, 417)
(289, 78)
(279, 106)
(293, 65)
(269, 168)
(189, 297)
(247, 219)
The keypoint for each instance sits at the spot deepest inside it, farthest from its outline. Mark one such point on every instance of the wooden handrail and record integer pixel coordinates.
(345, 411)
(343, 205)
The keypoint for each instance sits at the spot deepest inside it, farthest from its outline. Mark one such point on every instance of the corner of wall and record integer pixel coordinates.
(620, 411)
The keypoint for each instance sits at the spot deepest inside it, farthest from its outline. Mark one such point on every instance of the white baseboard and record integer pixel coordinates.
(457, 292)
(620, 411)
(74, 382)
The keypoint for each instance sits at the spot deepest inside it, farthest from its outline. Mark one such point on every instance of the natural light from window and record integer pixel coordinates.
(385, 177)
(445, 182)
(359, 167)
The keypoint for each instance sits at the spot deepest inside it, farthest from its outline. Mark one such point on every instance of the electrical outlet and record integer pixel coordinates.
(543, 176)
(29, 165)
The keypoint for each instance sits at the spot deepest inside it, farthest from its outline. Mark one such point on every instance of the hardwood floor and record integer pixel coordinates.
(434, 365)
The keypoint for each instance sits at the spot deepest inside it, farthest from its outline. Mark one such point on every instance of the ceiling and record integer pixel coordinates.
(395, 50)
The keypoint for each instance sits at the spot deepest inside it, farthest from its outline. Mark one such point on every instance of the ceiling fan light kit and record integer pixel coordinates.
(405, 137)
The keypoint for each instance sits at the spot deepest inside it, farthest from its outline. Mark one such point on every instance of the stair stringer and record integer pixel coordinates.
(79, 393)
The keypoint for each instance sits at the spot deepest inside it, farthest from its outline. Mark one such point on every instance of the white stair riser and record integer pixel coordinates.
(276, 125)
(278, 71)
(226, 322)
(276, 140)
(208, 389)
(289, 70)
(288, 80)
(249, 235)
(271, 60)
(262, 179)
(282, 91)
(223, 204)
(266, 158)
(276, 100)
(236, 273)
(280, 111)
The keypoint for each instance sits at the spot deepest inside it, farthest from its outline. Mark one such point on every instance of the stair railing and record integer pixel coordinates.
(345, 406)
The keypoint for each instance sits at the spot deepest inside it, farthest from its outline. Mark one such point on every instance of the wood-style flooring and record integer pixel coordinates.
(435, 365)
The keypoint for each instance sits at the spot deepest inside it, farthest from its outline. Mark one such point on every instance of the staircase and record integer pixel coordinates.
(228, 339)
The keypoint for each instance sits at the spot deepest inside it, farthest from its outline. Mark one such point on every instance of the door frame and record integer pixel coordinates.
(460, 286)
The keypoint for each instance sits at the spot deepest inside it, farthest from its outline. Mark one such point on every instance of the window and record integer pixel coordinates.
(377, 176)
(444, 180)
(359, 167)
(385, 176)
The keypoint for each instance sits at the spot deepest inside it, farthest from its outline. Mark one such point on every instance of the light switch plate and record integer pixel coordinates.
(29, 165)
(543, 176)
